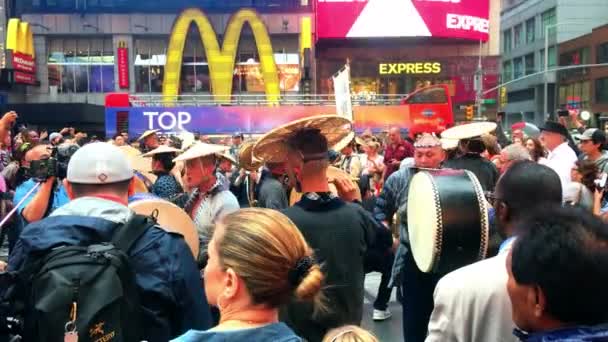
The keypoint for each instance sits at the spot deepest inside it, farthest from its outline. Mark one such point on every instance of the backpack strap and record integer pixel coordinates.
(126, 235)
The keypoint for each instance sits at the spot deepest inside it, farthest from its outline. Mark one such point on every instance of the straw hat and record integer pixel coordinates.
(449, 144)
(344, 142)
(246, 159)
(147, 134)
(138, 162)
(468, 131)
(161, 149)
(226, 156)
(272, 147)
(199, 150)
(187, 139)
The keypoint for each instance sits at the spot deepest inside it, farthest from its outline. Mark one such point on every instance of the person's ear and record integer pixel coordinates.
(232, 285)
(541, 301)
(68, 189)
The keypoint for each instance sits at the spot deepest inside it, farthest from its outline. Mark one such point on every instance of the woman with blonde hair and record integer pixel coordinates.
(349, 333)
(258, 261)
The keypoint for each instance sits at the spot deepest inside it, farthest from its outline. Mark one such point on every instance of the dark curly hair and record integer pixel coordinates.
(538, 151)
(589, 172)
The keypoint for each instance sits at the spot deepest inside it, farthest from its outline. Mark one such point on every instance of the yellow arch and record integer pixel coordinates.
(19, 37)
(221, 61)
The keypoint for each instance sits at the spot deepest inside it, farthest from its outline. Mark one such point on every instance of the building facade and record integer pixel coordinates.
(524, 27)
(391, 66)
(88, 48)
(585, 89)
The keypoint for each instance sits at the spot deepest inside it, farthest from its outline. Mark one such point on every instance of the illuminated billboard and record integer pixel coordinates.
(466, 19)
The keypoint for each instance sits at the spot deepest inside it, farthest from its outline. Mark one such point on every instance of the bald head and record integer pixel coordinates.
(394, 135)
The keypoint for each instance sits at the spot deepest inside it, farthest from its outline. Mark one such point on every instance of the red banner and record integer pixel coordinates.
(123, 68)
(25, 63)
(24, 78)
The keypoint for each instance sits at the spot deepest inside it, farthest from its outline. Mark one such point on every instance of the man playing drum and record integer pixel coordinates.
(418, 296)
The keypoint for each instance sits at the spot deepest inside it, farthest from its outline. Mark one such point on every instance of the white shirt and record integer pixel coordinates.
(367, 163)
(472, 304)
(561, 160)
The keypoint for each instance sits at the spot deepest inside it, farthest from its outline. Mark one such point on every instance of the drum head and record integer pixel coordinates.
(447, 217)
(424, 221)
(171, 218)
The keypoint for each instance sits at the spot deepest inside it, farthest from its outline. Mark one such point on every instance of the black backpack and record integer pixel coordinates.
(87, 289)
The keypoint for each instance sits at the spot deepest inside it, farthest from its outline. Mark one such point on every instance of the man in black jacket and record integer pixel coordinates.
(339, 230)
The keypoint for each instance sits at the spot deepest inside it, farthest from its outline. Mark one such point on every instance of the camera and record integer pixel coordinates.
(54, 166)
(563, 113)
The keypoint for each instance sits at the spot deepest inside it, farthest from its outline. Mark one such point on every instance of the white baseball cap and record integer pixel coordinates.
(99, 163)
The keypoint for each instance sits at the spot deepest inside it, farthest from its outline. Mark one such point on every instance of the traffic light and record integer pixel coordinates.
(468, 114)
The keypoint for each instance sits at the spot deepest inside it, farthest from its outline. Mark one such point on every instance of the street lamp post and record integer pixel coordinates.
(546, 98)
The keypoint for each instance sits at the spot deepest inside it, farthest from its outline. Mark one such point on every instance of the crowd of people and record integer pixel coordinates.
(288, 226)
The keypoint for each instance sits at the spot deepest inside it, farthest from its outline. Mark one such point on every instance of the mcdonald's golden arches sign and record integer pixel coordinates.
(21, 53)
(221, 60)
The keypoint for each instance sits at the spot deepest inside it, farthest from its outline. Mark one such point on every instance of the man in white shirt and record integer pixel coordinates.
(472, 303)
(561, 157)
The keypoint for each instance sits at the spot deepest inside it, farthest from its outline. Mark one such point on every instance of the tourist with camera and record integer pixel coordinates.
(95, 268)
(42, 193)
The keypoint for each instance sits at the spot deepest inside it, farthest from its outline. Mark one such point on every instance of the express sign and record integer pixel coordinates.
(467, 19)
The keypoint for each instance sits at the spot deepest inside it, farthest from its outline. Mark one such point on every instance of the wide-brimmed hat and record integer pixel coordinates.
(469, 131)
(449, 144)
(555, 127)
(246, 159)
(344, 142)
(147, 134)
(160, 150)
(226, 156)
(273, 146)
(199, 150)
(187, 139)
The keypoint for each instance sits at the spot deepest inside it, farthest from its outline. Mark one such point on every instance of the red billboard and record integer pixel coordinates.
(466, 19)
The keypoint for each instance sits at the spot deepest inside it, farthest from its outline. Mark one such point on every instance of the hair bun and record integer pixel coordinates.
(299, 271)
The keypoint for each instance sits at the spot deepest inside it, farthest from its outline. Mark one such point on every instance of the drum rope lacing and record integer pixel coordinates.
(439, 240)
(483, 242)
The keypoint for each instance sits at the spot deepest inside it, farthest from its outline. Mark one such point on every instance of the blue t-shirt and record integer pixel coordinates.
(276, 332)
(60, 197)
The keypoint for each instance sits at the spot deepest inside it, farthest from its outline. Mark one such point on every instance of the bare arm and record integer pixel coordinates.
(35, 210)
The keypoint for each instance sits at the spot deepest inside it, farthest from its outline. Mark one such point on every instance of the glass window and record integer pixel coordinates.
(586, 93)
(80, 65)
(552, 56)
(518, 33)
(601, 90)
(150, 59)
(506, 40)
(530, 64)
(530, 30)
(548, 19)
(518, 68)
(507, 71)
(602, 53)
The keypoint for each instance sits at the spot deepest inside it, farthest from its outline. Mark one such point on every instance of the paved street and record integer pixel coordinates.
(386, 331)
